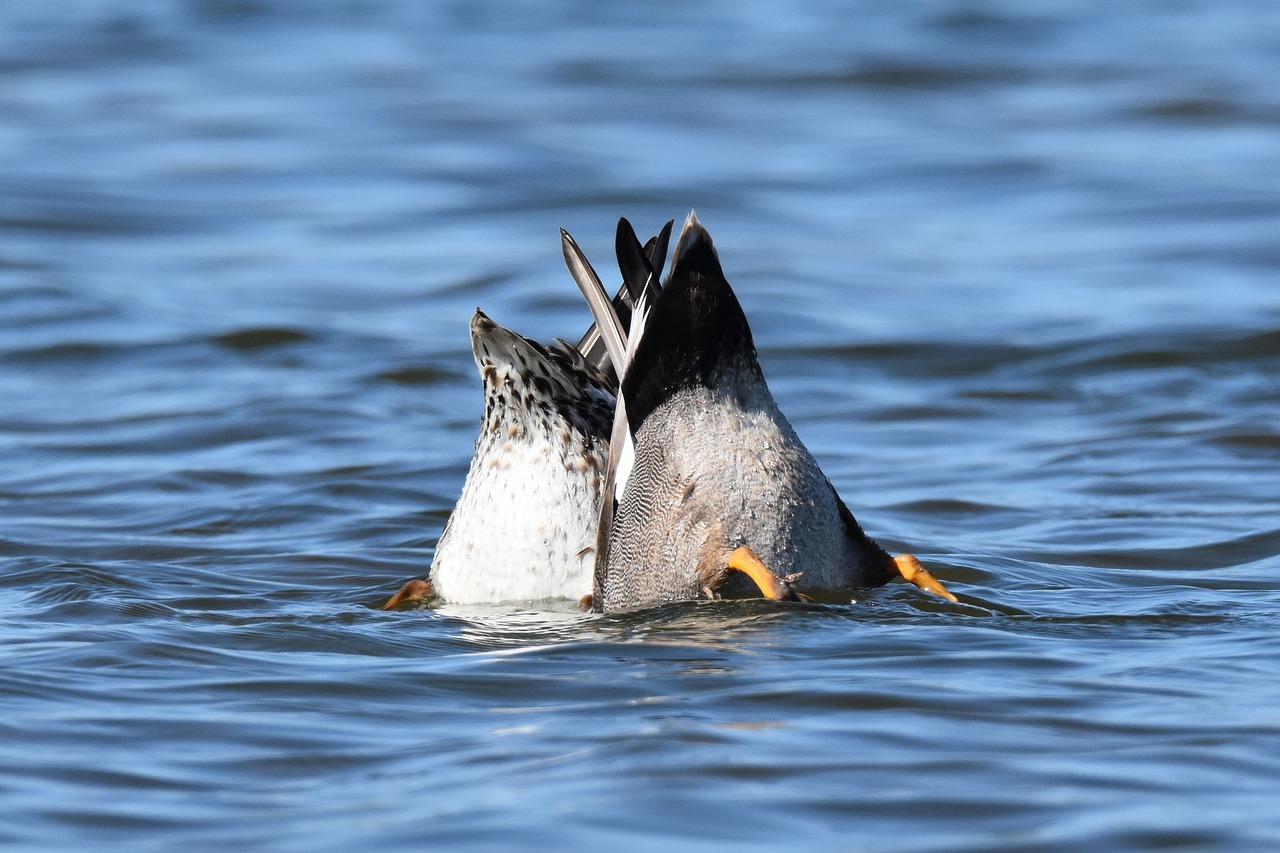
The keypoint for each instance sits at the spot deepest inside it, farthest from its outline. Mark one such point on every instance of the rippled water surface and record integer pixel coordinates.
(1013, 273)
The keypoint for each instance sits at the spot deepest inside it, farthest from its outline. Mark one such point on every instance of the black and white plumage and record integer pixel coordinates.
(524, 527)
(654, 487)
(702, 461)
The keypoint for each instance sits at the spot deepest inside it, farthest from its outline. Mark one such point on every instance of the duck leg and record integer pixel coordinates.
(744, 560)
(911, 570)
(414, 592)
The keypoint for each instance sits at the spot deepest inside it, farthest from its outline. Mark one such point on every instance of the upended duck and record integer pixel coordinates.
(706, 490)
(524, 528)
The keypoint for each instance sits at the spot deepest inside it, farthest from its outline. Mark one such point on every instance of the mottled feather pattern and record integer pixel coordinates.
(716, 464)
(703, 460)
(693, 492)
(524, 527)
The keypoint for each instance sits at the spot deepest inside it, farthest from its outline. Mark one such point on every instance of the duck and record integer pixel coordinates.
(708, 491)
(524, 527)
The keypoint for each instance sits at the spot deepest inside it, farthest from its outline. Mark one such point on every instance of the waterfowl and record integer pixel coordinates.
(706, 480)
(524, 527)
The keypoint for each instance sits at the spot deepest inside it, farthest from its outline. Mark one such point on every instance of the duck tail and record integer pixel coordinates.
(641, 268)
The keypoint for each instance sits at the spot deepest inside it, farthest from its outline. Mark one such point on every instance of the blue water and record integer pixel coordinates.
(1013, 273)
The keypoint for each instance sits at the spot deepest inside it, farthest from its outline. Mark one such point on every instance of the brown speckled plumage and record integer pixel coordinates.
(524, 527)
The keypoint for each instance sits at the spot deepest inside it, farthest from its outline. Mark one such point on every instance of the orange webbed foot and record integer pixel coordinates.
(414, 592)
(771, 586)
(911, 570)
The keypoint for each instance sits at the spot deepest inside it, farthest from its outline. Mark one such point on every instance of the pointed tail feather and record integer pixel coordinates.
(641, 272)
(607, 325)
(656, 250)
(641, 267)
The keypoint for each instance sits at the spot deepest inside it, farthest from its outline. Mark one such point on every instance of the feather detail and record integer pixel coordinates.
(602, 310)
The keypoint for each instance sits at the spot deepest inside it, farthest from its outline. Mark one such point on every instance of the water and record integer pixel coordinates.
(1012, 270)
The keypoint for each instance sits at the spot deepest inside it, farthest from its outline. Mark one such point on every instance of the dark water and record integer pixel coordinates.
(1013, 270)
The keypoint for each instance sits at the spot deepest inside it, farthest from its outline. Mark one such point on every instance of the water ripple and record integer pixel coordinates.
(1012, 276)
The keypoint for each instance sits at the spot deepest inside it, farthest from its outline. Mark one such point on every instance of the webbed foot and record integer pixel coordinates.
(414, 592)
(772, 586)
(911, 570)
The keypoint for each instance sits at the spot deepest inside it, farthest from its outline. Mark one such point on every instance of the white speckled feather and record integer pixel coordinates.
(525, 525)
